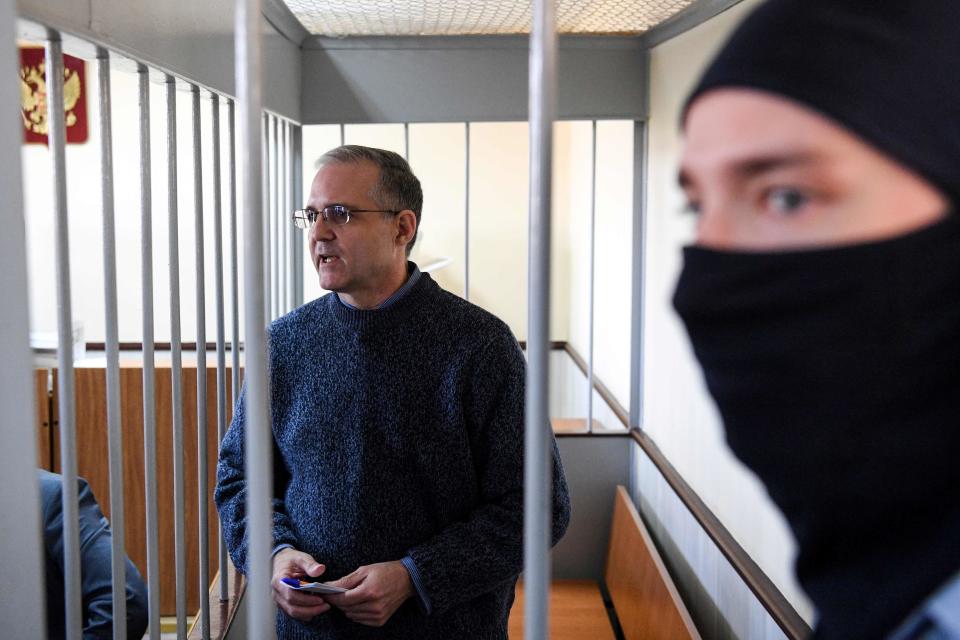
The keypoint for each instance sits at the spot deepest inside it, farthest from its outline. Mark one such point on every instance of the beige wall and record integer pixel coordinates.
(499, 183)
(85, 217)
(678, 412)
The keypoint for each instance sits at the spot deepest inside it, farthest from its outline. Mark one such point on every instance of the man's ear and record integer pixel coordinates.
(406, 226)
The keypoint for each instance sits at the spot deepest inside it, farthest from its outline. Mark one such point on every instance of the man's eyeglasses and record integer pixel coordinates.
(336, 214)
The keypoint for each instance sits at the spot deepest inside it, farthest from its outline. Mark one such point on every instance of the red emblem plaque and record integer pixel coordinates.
(33, 96)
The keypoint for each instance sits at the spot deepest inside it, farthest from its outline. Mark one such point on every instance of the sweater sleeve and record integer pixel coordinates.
(230, 493)
(474, 556)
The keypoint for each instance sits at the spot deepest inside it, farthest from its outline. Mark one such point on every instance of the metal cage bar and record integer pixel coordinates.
(234, 268)
(466, 211)
(21, 554)
(265, 214)
(258, 445)
(537, 459)
(68, 427)
(283, 258)
(288, 229)
(149, 371)
(176, 367)
(296, 190)
(272, 194)
(114, 428)
(593, 271)
(637, 272)
(221, 323)
(203, 513)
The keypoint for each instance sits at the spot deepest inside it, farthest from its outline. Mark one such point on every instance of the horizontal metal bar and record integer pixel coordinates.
(693, 16)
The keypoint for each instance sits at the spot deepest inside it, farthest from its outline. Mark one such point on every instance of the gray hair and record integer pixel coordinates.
(397, 189)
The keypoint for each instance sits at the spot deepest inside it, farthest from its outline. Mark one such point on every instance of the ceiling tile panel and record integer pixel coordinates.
(476, 17)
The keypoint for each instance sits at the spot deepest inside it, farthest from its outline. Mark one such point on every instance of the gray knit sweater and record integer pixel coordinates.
(398, 433)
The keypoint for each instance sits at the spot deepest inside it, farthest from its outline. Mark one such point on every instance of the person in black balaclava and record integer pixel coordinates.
(822, 296)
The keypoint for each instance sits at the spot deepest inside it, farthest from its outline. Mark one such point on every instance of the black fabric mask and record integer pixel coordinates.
(837, 374)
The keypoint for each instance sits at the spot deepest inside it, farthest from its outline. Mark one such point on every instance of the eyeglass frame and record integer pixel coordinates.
(301, 217)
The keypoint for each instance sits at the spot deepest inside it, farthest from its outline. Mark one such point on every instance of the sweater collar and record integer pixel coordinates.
(413, 274)
(394, 310)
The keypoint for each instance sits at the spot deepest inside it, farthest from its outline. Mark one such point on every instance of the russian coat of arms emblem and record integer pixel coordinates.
(33, 96)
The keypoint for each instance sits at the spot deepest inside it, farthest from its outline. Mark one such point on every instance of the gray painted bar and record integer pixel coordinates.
(149, 374)
(118, 556)
(203, 515)
(222, 561)
(537, 456)
(68, 427)
(21, 554)
(176, 367)
(258, 445)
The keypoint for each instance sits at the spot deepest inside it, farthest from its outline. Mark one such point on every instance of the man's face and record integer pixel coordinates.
(360, 259)
(768, 174)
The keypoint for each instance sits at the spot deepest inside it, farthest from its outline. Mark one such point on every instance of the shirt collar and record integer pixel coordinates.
(413, 274)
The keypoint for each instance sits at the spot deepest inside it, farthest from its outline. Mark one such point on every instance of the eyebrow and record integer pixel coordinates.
(755, 166)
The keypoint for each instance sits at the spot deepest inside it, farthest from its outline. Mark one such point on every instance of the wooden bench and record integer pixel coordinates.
(645, 601)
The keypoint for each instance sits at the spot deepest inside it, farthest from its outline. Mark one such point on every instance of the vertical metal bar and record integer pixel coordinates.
(21, 554)
(118, 558)
(537, 459)
(466, 211)
(68, 428)
(278, 200)
(593, 264)
(149, 385)
(274, 207)
(265, 215)
(290, 265)
(406, 141)
(203, 515)
(234, 269)
(297, 196)
(176, 367)
(284, 258)
(259, 472)
(343, 134)
(637, 272)
(221, 334)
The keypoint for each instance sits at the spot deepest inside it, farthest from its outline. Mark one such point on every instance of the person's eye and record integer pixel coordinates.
(339, 213)
(786, 200)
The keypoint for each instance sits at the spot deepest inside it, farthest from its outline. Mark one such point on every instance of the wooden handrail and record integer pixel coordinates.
(222, 612)
(601, 388)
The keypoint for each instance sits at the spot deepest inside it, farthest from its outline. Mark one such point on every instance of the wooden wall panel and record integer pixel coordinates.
(93, 465)
(647, 603)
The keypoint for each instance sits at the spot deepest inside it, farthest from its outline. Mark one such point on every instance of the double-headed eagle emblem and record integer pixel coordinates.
(33, 97)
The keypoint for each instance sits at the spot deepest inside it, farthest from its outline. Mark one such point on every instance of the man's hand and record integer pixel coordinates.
(290, 563)
(376, 591)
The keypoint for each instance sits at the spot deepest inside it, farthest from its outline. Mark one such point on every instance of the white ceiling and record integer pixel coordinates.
(474, 17)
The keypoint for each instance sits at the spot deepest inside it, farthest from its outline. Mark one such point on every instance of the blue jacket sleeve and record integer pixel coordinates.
(95, 563)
